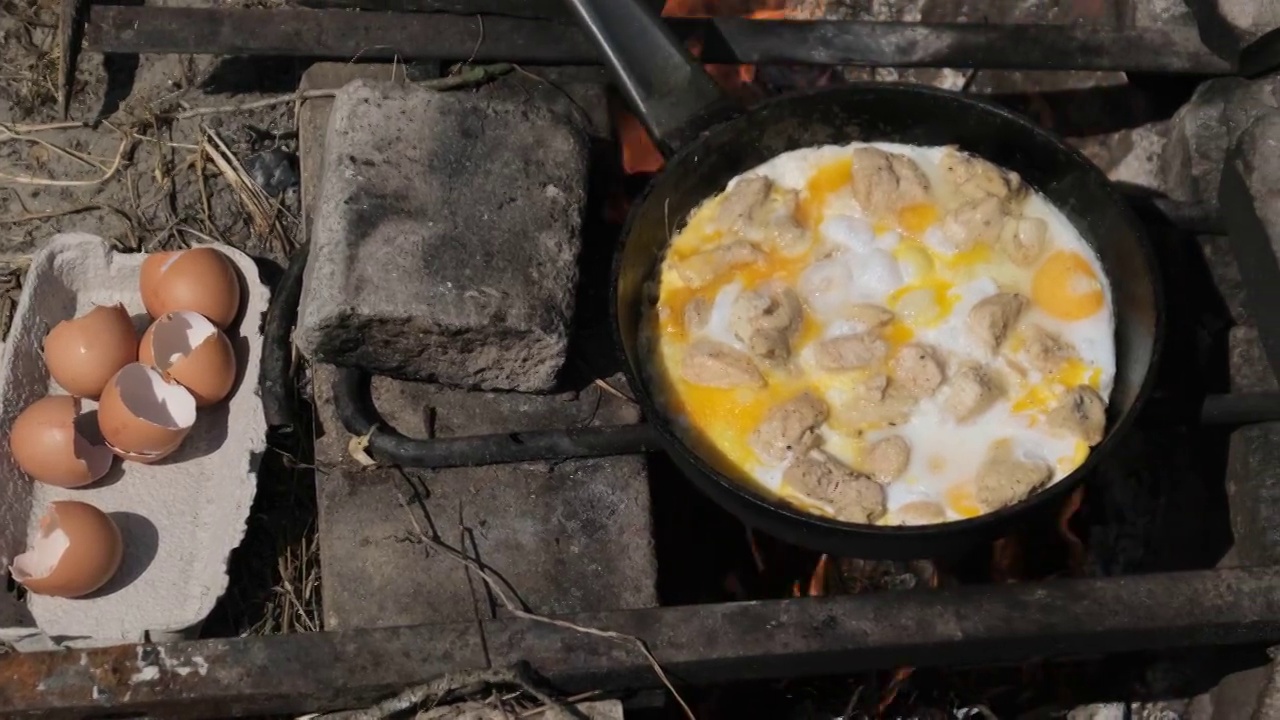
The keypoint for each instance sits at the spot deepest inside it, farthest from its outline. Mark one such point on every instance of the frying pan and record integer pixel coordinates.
(707, 141)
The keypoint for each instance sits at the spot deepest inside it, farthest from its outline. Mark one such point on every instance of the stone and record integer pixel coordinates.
(1253, 461)
(1130, 157)
(1204, 128)
(1259, 164)
(1246, 20)
(445, 238)
(567, 537)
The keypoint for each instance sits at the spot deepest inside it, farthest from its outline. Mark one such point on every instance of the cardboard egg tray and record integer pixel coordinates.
(181, 517)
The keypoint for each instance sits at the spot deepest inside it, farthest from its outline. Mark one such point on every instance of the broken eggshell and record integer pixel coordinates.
(51, 443)
(84, 352)
(143, 416)
(201, 280)
(76, 552)
(193, 351)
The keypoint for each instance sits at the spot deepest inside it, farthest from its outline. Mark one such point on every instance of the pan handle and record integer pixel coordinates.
(675, 98)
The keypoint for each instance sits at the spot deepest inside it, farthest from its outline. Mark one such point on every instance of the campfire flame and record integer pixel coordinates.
(639, 153)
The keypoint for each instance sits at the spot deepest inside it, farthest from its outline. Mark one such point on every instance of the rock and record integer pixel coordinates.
(1259, 165)
(1247, 19)
(1132, 156)
(567, 537)
(445, 238)
(1203, 129)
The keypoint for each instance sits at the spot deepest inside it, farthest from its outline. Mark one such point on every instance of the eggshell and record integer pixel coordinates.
(201, 280)
(193, 351)
(142, 413)
(83, 353)
(78, 550)
(50, 442)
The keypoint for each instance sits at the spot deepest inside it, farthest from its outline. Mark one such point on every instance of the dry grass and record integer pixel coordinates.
(29, 55)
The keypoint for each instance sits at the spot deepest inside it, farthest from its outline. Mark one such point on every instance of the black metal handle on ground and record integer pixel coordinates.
(354, 402)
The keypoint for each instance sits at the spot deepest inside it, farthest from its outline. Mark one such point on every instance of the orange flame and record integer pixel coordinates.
(818, 581)
(1075, 548)
(639, 154)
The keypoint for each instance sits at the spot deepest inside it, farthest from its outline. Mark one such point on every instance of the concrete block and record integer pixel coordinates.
(445, 237)
(566, 537)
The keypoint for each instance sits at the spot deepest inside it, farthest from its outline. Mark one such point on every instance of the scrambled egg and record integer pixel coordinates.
(912, 265)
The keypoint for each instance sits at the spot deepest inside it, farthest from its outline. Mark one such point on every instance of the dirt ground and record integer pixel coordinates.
(154, 156)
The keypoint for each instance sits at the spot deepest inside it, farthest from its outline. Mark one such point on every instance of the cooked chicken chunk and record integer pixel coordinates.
(789, 429)
(715, 364)
(1082, 413)
(918, 369)
(759, 211)
(700, 269)
(920, 512)
(884, 182)
(696, 313)
(847, 495)
(1023, 240)
(777, 225)
(970, 391)
(887, 458)
(868, 315)
(1045, 349)
(973, 221)
(877, 402)
(974, 178)
(742, 200)
(765, 321)
(847, 352)
(1005, 477)
(991, 318)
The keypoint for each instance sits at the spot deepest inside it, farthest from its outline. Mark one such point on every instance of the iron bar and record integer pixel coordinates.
(418, 36)
(698, 644)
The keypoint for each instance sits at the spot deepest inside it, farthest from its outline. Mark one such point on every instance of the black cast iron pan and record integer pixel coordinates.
(708, 141)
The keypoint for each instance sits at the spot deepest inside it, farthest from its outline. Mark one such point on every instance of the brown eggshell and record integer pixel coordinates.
(143, 458)
(50, 442)
(143, 413)
(201, 280)
(90, 553)
(192, 351)
(83, 353)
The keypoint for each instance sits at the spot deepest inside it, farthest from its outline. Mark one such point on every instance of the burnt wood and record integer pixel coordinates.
(696, 645)
(440, 36)
(513, 8)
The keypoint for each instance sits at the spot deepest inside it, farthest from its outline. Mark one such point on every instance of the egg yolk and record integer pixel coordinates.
(825, 181)
(1066, 287)
(915, 219)
(963, 500)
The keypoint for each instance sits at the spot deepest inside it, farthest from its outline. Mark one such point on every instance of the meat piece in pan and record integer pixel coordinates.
(875, 403)
(1007, 476)
(715, 364)
(884, 182)
(918, 369)
(991, 318)
(758, 210)
(1045, 349)
(848, 352)
(919, 512)
(698, 270)
(973, 178)
(1082, 413)
(970, 391)
(887, 458)
(789, 429)
(765, 320)
(975, 220)
(1024, 239)
(820, 480)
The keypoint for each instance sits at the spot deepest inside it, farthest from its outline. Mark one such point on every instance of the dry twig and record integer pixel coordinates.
(116, 165)
(500, 592)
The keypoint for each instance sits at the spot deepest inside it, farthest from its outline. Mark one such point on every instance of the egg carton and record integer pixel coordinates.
(180, 518)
